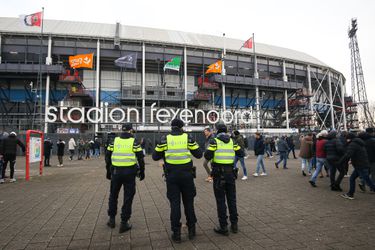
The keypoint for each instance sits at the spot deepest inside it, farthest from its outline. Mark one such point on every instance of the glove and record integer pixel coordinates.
(141, 175)
(108, 175)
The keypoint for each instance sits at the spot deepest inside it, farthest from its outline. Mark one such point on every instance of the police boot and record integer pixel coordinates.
(176, 236)
(111, 222)
(125, 226)
(222, 230)
(191, 232)
(234, 228)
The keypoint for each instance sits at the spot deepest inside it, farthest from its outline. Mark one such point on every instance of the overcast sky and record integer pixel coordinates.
(316, 27)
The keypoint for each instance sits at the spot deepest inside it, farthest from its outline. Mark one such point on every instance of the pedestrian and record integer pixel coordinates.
(259, 153)
(370, 148)
(342, 138)
(60, 152)
(208, 136)
(47, 152)
(267, 144)
(127, 161)
(238, 139)
(176, 149)
(356, 151)
(334, 149)
(143, 145)
(276, 143)
(320, 155)
(306, 153)
(2, 137)
(88, 149)
(291, 146)
(71, 146)
(283, 152)
(222, 151)
(97, 148)
(10, 151)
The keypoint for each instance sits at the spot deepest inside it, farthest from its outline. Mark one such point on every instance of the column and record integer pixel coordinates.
(331, 101)
(97, 87)
(223, 95)
(310, 88)
(343, 90)
(285, 77)
(48, 62)
(286, 108)
(143, 84)
(185, 77)
(0, 49)
(257, 106)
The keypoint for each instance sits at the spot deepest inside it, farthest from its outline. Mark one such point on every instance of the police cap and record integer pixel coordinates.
(127, 127)
(221, 128)
(177, 123)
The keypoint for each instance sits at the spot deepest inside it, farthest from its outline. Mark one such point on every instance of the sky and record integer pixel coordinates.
(316, 27)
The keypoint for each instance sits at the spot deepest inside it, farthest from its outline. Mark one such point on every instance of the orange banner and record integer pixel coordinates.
(214, 68)
(81, 61)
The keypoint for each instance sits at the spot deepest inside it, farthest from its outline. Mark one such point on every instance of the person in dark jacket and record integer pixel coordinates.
(334, 149)
(370, 148)
(208, 136)
(283, 149)
(10, 151)
(357, 153)
(291, 146)
(47, 152)
(2, 137)
(259, 149)
(342, 138)
(240, 142)
(97, 148)
(60, 152)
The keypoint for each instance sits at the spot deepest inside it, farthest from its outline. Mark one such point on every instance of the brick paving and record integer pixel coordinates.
(66, 209)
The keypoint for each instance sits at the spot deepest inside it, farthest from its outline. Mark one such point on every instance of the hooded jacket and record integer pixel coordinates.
(60, 148)
(72, 144)
(282, 145)
(259, 146)
(334, 148)
(209, 154)
(356, 151)
(10, 145)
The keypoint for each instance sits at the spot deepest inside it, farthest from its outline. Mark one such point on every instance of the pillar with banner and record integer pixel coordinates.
(34, 150)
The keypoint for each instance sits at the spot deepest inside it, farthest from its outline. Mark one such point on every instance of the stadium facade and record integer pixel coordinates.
(284, 89)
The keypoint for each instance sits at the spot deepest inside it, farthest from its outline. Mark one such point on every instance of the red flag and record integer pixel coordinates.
(249, 43)
(32, 19)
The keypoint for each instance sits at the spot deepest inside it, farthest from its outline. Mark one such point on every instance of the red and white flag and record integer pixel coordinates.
(249, 43)
(32, 19)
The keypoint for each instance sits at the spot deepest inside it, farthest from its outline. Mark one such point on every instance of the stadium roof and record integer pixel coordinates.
(86, 29)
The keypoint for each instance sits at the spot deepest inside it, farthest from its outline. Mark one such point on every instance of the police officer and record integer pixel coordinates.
(221, 152)
(176, 150)
(123, 156)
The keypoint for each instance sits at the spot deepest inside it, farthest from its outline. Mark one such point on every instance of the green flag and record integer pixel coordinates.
(173, 64)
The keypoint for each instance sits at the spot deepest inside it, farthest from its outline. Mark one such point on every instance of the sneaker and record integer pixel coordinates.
(346, 196)
(111, 222)
(263, 174)
(61, 165)
(346, 176)
(12, 180)
(2, 181)
(255, 174)
(362, 187)
(277, 166)
(124, 226)
(244, 178)
(222, 230)
(285, 168)
(209, 179)
(271, 156)
(312, 183)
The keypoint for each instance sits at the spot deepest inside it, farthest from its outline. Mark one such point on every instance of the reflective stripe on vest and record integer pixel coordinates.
(224, 153)
(123, 154)
(177, 152)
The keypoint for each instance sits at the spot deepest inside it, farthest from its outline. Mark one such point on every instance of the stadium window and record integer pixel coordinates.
(136, 92)
(149, 92)
(171, 93)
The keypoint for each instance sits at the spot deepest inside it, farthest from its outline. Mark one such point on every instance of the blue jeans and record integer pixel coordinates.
(97, 152)
(319, 165)
(308, 162)
(283, 157)
(268, 150)
(260, 163)
(242, 161)
(363, 173)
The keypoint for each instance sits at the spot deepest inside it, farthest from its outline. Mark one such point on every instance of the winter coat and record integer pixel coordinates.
(334, 148)
(370, 146)
(72, 144)
(60, 148)
(47, 148)
(282, 146)
(356, 151)
(319, 148)
(306, 150)
(10, 145)
(240, 141)
(259, 146)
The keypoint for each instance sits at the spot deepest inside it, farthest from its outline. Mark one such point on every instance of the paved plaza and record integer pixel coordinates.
(67, 209)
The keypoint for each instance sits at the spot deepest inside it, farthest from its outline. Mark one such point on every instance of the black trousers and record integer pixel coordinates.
(180, 184)
(122, 177)
(12, 162)
(46, 160)
(225, 189)
(333, 168)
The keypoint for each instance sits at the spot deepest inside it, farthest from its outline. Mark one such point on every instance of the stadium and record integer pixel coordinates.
(286, 90)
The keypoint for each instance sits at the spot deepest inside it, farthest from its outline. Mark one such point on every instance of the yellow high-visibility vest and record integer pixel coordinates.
(123, 152)
(177, 149)
(224, 153)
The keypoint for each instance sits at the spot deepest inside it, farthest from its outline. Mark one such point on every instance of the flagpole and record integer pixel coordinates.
(40, 81)
(223, 74)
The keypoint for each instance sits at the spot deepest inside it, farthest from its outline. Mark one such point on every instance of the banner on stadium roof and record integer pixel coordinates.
(81, 61)
(128, 61)
(34, 19)
(214, 68)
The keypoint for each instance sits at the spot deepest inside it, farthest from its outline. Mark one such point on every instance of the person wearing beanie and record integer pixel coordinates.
(356, 152)
(176, 150)
(9, 146)
(320, 155)
(125, 158)
(221, 152)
